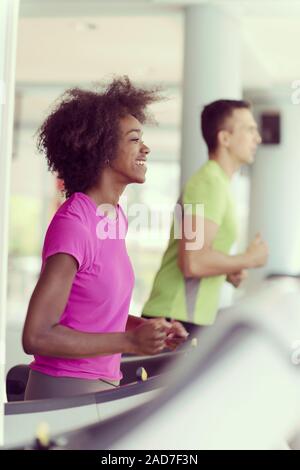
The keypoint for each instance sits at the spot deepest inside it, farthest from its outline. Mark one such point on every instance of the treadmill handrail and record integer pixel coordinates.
(51, 404)
(109, 431)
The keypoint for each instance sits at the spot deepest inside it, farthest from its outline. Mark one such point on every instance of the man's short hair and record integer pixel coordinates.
(213, 118)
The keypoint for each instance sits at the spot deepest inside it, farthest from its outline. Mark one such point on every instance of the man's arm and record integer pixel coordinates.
(204, 261)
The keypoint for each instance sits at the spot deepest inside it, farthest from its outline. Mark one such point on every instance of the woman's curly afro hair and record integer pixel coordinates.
(82, 131)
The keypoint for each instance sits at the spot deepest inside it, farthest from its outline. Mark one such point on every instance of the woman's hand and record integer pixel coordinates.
(154, 335)
(149, 337)
(176, 336)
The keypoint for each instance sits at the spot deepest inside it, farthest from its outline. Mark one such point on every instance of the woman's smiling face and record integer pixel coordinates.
(130, 162)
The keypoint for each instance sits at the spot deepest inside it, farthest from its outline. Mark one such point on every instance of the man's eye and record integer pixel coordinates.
(135, 140)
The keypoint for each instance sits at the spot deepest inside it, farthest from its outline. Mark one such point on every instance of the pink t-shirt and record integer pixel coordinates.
(102, 288)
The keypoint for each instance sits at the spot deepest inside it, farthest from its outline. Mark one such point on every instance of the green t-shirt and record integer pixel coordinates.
(196, 300)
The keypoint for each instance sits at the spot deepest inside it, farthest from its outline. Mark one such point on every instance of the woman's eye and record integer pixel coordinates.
(135, 140)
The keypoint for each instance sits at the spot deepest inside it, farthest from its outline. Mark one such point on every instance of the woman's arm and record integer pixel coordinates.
(44, 335)
(133, 322)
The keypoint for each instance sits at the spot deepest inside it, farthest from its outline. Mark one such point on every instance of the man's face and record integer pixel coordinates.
(242, 136)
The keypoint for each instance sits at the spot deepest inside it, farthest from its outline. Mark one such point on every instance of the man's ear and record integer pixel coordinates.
(223, 138)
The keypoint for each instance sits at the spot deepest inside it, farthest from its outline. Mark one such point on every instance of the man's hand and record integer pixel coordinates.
(257, 252)
(236, 278)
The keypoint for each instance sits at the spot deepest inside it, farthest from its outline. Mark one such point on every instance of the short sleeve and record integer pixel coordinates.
(210, 193)
(69, 236)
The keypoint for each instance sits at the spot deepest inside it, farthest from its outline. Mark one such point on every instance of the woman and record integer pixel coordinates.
(77, 323)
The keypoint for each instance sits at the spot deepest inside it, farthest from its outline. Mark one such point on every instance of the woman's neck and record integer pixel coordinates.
(107, 191)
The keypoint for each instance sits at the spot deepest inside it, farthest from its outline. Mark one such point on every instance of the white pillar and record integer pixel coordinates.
(275, 187)
(8, 35)
(212, 70)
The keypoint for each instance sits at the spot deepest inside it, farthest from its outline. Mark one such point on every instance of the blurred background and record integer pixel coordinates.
(197, 51)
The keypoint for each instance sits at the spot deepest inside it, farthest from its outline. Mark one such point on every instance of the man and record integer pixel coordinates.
(188, 284)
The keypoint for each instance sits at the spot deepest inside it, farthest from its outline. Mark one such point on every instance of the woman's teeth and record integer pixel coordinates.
(141, 162)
